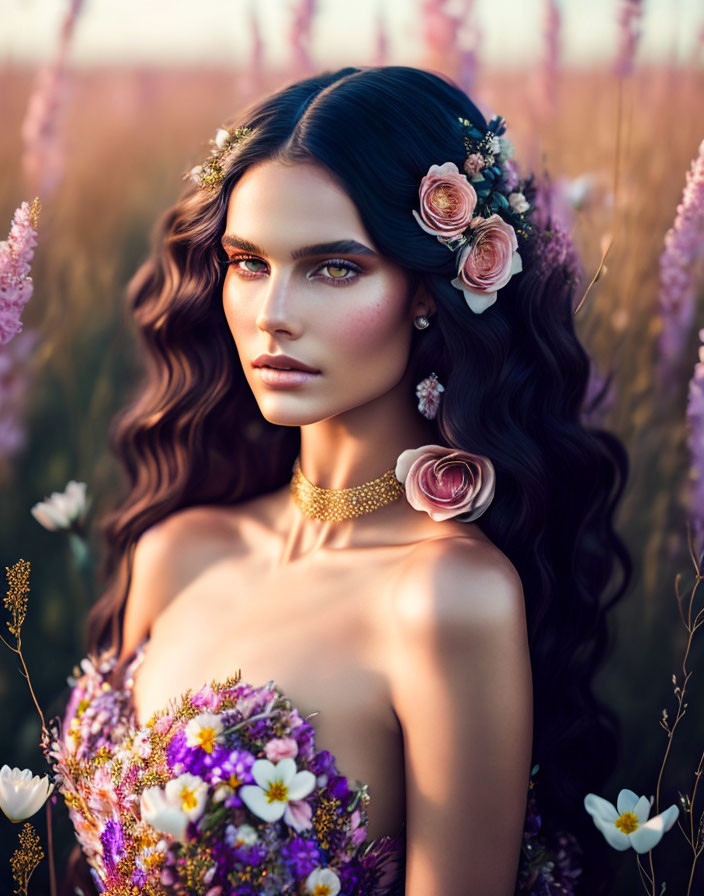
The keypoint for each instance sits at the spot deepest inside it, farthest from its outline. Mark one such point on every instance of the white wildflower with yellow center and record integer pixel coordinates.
(22, 793)
(277, 784)
(627, 824)
(169, 809)
(204, 731)
(323, 882)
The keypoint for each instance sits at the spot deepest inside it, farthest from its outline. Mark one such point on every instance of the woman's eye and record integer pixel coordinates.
(237, 261)
(340, 271)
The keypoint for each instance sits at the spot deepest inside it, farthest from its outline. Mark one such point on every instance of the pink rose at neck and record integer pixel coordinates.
(447, 483)
(447, 202)
(488, 262)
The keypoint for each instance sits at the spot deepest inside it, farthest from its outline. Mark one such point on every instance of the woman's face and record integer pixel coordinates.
(306, 288)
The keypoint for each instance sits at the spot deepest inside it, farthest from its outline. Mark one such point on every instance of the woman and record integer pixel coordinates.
(301, 302)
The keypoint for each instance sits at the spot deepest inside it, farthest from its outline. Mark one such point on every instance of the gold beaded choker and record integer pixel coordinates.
(332, 505)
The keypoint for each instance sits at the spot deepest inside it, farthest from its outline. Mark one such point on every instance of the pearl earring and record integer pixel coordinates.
(421, 322)
(428, 392)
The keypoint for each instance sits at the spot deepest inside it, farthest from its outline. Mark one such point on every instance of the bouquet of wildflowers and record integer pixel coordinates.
(223, 792)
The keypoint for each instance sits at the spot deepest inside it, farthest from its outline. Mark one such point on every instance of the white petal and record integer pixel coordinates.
(256, 801)
(598, 807)
(301, 785)
(477, 301)
(43, 517)
(445, 168)
(286, 770)
(626, 800)
(22, 793)
(426, 228)
(220, 137)
(405, 461)
(324, 876)
(516, 264)
(613, 836)
(264, 772)
(649, 834)
(642, 809)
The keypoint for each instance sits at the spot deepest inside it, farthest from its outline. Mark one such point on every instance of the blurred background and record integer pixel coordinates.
(106, 105)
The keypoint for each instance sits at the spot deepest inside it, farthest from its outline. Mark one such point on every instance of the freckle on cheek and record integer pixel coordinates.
(367, 327)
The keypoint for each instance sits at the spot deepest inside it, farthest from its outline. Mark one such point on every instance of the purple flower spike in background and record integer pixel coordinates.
(695, 425)
(629, 21)
(16, 253)
(680, 272)
(43, 158)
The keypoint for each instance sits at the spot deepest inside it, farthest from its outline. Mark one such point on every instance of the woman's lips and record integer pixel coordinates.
(283, 371)
(275, 376)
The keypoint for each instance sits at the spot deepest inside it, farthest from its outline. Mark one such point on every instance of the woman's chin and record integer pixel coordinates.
(286, 414)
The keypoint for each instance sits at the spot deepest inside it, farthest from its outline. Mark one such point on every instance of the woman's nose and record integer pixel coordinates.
(277, 312)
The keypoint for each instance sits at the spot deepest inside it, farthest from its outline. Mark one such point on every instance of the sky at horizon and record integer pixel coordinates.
(162, 32)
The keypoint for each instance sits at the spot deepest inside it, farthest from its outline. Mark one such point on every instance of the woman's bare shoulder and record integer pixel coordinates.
(456, 579)
(168, 556)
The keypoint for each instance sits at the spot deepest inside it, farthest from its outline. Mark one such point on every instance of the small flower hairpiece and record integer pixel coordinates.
(210, 174)
(479, 213)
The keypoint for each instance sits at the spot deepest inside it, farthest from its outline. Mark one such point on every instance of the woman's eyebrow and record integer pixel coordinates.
(339, 247)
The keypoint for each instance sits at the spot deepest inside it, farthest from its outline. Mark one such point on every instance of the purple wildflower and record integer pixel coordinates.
(323, 763)
(235, 769)
(301, 856)
(599, 397)
(300, 35)
(629, 23)
(195, 760)
(470, 39)
(381, 40)
(695, 436)
(551, 60)
(16, 254)
(680, 276)
(554, 217)
(43, 159)
(113, 843)
(438, 27)
(339, 789)
(510, 174)
(304, 735)
(14, 385)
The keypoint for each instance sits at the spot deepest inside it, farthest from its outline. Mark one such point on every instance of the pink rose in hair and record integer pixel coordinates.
(447, 202)
(447, 483)
(487, 262)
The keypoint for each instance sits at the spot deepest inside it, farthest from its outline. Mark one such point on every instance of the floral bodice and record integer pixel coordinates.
(225, 744)
(224, 793)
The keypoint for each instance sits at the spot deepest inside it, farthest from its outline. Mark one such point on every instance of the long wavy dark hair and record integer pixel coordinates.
(515, 384)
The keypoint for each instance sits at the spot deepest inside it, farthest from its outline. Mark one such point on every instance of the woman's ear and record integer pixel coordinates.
(423, 303)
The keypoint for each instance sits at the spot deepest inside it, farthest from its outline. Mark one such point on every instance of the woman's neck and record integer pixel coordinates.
(362, 443)
(350, 449)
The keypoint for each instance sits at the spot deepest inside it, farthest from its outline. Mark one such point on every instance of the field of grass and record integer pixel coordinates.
(130, 136)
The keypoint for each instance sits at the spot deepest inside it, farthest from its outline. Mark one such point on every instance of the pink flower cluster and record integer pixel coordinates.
(680, 277)
(16, 254)
(489, 257)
